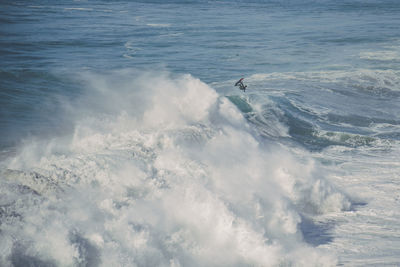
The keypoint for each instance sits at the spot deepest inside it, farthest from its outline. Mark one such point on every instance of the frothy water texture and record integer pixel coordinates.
(171, 175)
(124, 142)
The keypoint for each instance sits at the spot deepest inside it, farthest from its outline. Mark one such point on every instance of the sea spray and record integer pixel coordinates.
(160, 171)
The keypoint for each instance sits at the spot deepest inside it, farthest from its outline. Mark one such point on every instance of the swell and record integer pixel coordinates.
(322, 109)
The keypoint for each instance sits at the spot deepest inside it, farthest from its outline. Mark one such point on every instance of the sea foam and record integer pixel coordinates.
(160, 171)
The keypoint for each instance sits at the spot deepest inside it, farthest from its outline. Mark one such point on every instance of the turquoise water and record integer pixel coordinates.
(123, 115)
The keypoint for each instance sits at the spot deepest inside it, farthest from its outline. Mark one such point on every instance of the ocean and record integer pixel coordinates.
(124, 142)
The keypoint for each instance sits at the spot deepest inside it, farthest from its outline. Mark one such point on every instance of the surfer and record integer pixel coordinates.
(241, 85)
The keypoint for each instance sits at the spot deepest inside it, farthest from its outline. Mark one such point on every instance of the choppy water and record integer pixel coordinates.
(125, 143)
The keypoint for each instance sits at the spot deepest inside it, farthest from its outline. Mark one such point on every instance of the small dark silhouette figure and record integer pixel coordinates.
(241, 85)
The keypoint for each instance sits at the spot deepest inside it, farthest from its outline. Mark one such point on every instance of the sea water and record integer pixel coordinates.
(124, 142)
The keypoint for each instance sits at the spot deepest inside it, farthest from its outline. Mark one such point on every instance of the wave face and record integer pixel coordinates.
(170, 174)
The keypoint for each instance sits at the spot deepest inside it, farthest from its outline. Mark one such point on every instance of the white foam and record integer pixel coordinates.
(163, 171)
(78, 8)
(359, 77)
(159, 25)
(381, 55)
(368, 235)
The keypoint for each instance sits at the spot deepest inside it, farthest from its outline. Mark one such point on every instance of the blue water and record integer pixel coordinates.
(127, 109)
(45, 45)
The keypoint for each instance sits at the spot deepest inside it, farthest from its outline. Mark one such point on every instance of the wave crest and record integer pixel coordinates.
(171, 176)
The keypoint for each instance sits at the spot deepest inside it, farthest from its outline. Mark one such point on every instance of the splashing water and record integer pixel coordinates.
(160, 171)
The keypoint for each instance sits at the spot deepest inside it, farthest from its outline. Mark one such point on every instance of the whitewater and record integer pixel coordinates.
(125, 143)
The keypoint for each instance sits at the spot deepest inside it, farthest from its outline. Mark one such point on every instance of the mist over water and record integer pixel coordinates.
(124, 142)
(175, 177)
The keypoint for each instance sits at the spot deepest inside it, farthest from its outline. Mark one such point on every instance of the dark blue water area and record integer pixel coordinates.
(44, 45)
(209, 39)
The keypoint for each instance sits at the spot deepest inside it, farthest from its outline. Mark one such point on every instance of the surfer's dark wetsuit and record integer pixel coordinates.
(242, 87)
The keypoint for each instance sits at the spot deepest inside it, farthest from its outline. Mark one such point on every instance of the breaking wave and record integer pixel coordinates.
(161, 170)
